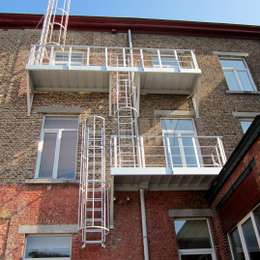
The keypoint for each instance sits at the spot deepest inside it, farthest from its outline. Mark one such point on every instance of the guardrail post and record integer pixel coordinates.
(124, 60)
(70, 54)
(142, 151)
(132, 57)
(195, 64)
(52, 56)
(221, 150)
(169, 154)
(142, 58)
(115, 151)
(159, 57)
(177, 59)
(88, 50)
(106, 58)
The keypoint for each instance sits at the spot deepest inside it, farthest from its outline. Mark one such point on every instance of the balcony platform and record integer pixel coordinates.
(159, 178)
(88, 69)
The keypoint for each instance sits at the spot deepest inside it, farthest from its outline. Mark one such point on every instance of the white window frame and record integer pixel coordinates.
(198, 251)
(47, 235)
(251, 216)
(59, 132)
(235, 71)
(179, 133)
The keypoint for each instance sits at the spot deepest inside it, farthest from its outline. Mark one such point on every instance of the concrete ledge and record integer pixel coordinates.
(245, 114)
(48, 229)
(178, 213)
(59, 109)
(230, 53)
(243, 92)
(51, 181)
(162, 113)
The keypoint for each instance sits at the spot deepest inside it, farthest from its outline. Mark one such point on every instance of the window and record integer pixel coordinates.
(194, 239)
(62, 58)
(245, 124)
(181, 146)
(237, 74)
(244, 239)
(57, 148)
(48, 247)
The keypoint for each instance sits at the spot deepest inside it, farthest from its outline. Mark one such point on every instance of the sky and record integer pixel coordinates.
(224, 11)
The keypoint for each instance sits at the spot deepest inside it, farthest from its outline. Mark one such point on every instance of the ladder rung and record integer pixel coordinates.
(92, 230)
(95, 199)
(93, 242)
(94, 220)
(95, 209)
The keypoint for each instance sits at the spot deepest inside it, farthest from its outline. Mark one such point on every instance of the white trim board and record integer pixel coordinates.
(245, 114)
(230, 53)
(48, 229)
(165, 113)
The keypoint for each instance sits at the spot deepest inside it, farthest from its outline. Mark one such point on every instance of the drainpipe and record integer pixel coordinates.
(144, 226)
(130, 43)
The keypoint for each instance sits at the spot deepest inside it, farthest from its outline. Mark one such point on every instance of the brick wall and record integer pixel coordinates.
(41, 204)
(50, 204)
(20, 134)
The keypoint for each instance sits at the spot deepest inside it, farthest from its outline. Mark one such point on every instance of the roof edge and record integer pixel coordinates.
(137, 25)
(244, 145)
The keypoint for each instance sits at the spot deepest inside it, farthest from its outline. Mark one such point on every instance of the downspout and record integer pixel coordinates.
(144, 226)
(130, 43)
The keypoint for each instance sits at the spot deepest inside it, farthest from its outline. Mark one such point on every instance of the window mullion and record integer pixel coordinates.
(57, 154)
(243, 242)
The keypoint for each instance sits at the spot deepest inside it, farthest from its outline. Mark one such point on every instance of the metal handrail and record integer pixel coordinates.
(183, 59)
(154, 154)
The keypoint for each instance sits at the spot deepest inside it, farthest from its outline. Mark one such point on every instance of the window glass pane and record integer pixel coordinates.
(189, 152)
(196, 257)
(169, 61)
(61, 57)
(77, 57)
(47, 247)
(236, 245)
(66, 167)
(229, 63)
(251, 242)
(245, 81)
(257, 218)
(65, 122)
(47, 157)
(192, 234)
(231, 80)
(245, 124)
(177, 124)
(175, 152)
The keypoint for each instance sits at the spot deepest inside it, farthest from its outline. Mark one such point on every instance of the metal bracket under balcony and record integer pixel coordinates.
(88, 68)
(172, 162)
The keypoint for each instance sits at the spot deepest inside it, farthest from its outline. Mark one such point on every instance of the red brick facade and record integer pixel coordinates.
(41, 204)
(24, 203)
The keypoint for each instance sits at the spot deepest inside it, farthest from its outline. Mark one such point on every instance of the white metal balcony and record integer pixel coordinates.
(87, 68)
(173, 161)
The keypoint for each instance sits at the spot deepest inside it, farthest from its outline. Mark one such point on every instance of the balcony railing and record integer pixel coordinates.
(109, 58)
(170, 151)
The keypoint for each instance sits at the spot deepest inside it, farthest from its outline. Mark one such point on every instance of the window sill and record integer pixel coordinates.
(243, 92)
(51, 181)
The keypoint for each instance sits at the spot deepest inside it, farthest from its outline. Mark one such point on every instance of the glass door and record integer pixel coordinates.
(180, 142)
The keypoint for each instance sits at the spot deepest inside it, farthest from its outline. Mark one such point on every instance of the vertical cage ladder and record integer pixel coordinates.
(93, 204)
